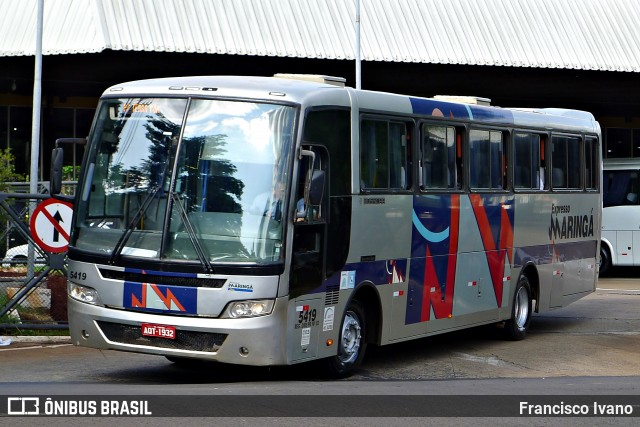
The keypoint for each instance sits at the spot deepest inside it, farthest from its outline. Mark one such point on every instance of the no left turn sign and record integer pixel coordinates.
(51, 224)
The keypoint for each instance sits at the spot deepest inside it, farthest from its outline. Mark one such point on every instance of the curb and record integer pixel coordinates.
(38, 339)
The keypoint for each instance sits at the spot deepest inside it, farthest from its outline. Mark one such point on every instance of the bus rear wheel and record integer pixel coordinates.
(351, 342)
(516, 327)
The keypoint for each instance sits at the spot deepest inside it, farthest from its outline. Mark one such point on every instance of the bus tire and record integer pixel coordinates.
(516, 327)
(352, 342)
(605, 259)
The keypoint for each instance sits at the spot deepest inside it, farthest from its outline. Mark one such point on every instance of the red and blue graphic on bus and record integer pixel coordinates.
(160, 298)
(434, 250)
(494, 215)
(434, 247)
(390, 272)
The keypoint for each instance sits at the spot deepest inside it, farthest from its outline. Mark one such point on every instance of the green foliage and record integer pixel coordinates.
(68, 173)
(7, 169)
(7, 174)
(7, 318)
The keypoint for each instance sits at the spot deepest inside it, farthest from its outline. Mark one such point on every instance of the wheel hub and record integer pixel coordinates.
(350, 338)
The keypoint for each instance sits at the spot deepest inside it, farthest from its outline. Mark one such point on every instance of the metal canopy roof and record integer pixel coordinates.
(571, 34)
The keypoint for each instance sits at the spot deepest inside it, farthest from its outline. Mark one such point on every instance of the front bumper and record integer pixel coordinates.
(255, 341)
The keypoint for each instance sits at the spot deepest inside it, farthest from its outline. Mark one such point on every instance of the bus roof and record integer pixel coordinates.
(312, 90)
(267, 88)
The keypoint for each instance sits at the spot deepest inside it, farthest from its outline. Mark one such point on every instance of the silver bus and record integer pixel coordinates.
(279, 220)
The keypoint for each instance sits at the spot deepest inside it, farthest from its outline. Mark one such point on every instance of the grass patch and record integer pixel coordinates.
(14, 332)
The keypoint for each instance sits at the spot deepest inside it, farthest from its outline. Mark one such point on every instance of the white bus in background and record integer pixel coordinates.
(621, 214)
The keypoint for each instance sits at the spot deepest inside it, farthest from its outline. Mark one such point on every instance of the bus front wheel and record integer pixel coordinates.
(351, 343)
(516, 327)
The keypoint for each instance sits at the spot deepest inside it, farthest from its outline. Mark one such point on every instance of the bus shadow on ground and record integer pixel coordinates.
(380, 363)
(622, 273)
(203, 372)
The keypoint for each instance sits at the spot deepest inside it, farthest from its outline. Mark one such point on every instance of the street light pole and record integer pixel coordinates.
(35, 127)
(358, 67)
(37, 101)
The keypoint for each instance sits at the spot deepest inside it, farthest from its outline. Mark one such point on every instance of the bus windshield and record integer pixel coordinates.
(186, 179)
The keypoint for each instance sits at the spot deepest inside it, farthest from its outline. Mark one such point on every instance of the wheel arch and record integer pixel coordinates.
(531, 271)
(606, 243)
(368, 296)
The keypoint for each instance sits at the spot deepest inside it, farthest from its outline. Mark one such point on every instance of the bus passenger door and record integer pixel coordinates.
(309, 231)
(308, 251)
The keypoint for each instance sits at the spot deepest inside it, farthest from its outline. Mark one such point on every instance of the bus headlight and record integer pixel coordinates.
(84, 294)
(253, 308)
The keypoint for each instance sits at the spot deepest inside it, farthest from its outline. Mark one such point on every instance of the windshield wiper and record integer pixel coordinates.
(193, 237)
(117, 250)
(142, 209)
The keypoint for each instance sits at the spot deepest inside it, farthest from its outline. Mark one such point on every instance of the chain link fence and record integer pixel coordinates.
(33, 283)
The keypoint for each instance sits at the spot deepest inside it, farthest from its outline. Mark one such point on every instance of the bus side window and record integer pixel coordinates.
(440, 163)
(542, 173)
(487, 159)
(565, 162)
(590, 164)
(398, 142)
(528, 173)
(384, 154)
(373, 154)
(632, 191)
(498, 157)
(620, 187)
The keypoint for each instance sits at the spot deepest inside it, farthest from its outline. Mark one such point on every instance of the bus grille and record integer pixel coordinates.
(185, 340)
(161, 279)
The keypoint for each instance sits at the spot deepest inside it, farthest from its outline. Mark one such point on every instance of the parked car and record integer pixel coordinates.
(18, 255)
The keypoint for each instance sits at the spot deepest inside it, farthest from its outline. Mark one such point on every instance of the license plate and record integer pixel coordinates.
(160, 331)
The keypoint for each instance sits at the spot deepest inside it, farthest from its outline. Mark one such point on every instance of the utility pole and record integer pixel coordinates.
(358, 67)
(37, 104)
(35, 127)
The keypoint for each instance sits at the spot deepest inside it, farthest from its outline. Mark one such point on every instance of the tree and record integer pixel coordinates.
(7, 169)
(7, 175)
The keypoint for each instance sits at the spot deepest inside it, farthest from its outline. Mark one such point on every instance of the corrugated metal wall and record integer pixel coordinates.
(574, 34)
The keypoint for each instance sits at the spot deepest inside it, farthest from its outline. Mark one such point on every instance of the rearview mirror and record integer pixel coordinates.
(57, 159)
(316, 187)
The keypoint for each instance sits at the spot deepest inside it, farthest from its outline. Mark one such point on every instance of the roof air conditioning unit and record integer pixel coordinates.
(317, 78)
